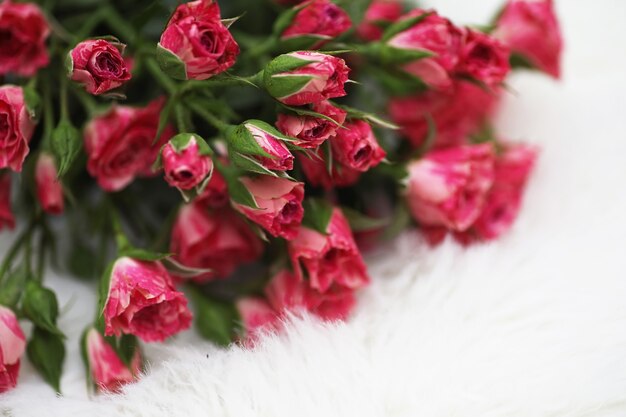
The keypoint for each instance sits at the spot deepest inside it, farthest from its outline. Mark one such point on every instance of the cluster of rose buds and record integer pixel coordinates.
(248, 165)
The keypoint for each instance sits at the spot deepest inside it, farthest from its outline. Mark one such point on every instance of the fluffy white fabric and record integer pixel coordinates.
(531, 325)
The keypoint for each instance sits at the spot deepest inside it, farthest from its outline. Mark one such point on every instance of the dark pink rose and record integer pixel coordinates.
(98, 65)
(215, 193)
(279, 202)
(330, 259)
(379, 12)
(448, 187)
(319, 78)
(197, 36)
(312, 131)
(119, 144)
(184, 164)
(142, 301)
(279, 159)
(457, 113)
(16, 127)
(6, 214)
(321, 19)
(315, 170)
(484, 58)
(355, 146)
(530, 28)
(256, 316)
(12, 346)
(106, 369)
(219, 240)
(49, 189)
(23, 34)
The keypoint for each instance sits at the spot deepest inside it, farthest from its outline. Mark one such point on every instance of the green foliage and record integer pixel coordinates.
(46, 352)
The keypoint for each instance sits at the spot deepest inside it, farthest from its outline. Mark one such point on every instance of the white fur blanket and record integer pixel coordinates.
(531, 325)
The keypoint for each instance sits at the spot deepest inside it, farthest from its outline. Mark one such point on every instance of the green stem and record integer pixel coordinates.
(87, 101)
(64, 103)
(119, 24)
(90, 24)
(41, 257)
(208, 116)
(14, 249)
(264, 48)
(118, 231)
(166, 82)
(180, 119)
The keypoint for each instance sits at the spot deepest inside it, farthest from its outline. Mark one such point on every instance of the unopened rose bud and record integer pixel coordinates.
(186, 161)
(49, 188)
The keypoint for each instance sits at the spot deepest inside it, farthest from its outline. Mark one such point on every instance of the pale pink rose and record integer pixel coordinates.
(484, 58)
(6, 214)
(448, 187)
(12, 346)
(356, 147)
(143, 301)
(256, 316)
(530, 28)
(280, 158)
(379, 12)
(312, 131)
(98, 65)
(279, 202)
(185, 167)
(322, 19)
(107, 370)
(331, 259)
(49, 189)
(315, 170)
(16, 127)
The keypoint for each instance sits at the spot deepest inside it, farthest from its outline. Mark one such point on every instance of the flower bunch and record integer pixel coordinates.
(232, 166)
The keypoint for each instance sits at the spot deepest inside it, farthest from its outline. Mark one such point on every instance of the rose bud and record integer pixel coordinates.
(106, 369)
(355, 146)
(186, 161)
(16, 127)
(319, 21)
(49, 189)
(456, 113)
(312, 131)
(6, 214)
(215, 194)
(484, 58)
(277, 156)
(143, 301)
(196, 44)
(435, 35)
(306, 77)
(98, 65)
(219, 240)
(24, 32)
(315, 169)
(530, 28)
(379, 13)
(331, 258)
(119, 144)
(256, 315)
(279, 203)
(448, 187)
(12, 346)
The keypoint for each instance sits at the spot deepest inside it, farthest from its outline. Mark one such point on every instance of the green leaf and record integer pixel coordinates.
(370, 117)
(215, 320)
(286, 85)
(33, 102)
(284, 20)
(239, 193)
(360, 222)
(46, 352)
(390, 55)
(12, 286)
(126, 347)
(403, 25)
(250, 164)
(66, 144)
(170, 63)
(143, 255)
(241, 140)
(317, 214)
(41, 307)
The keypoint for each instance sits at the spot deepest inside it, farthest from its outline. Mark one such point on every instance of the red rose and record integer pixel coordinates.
(530, 28)
(355, 146)
(16, 128)
(184, 163)
(448, 187)
(279, 159)
(49, 189)
(315, 170)
(379, 12)
(312, 131)
(219, 240)
(12, 347)
(197, 36)
(484, 58)
(320, 19)
(142, 301)
(279, 202)
(23, 34)
(6, 214)
(330, 259)
(98, 65)
(119, 144)
(215, 193)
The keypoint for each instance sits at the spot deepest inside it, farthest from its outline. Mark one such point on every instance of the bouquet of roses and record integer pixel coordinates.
(240, 157)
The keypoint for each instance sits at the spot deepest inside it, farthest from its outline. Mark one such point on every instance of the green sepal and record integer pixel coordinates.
(303, 111)
(215, 320)
(369, 117)
(241, 140)
(302, 42)
(66, 144)
(105, 282)
(181, 141)
(41, 307)
(396, 56)
(249, 164)
(360, 222)
(46, 352)
(12, 286)
(68, 63)
(286, 85)
(183, 271)
(317, 214)
(231, 20)
(170, 63)
(403, 25)
(143, 255)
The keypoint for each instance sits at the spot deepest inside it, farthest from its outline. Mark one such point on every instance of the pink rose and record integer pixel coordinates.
(379, 12)
(279, 159)
(219, 240)
(315, 170)
(330, 259)
(319, 77)
(185, 164)
(484, 58)
(530, 28)
(6, 214)
(16, 127)
(355, 146)
(256, 315)
(215, 193)
(448, 187)
(319, 19)
(279, 202)
(98, 65)
(49, 189)
(457, 113)
(312, 131)
(119, 144)
(12, 346)
(107, 370)
(23, 34)
(142, 301)
(197, 36)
